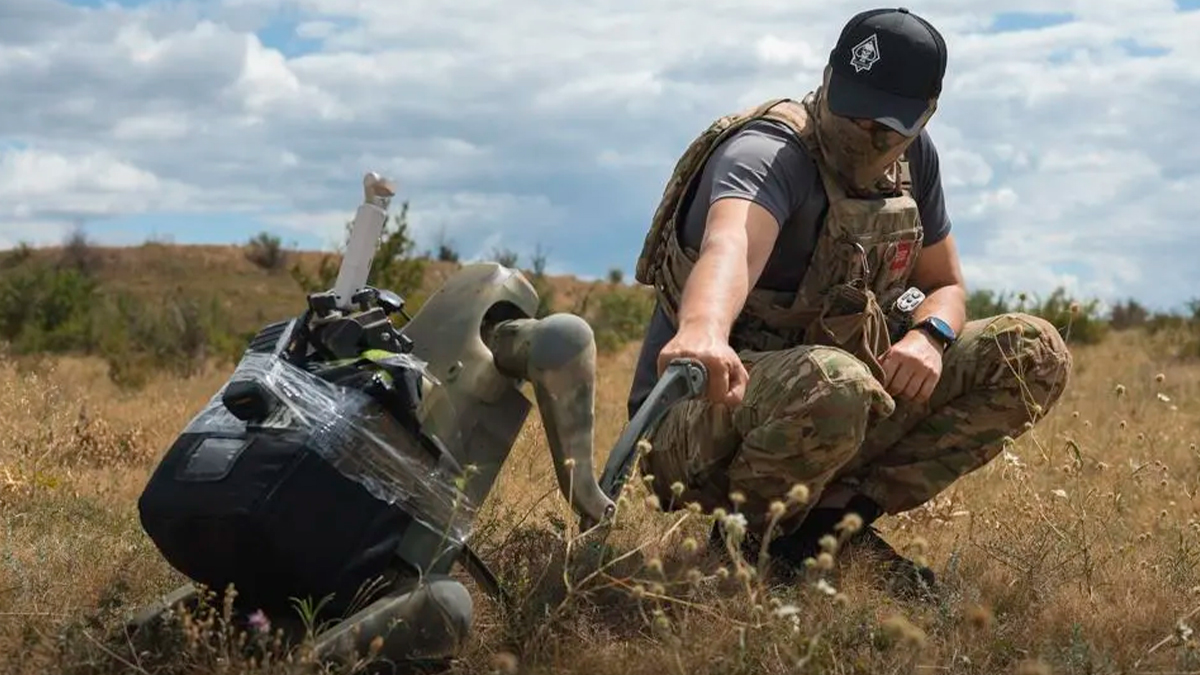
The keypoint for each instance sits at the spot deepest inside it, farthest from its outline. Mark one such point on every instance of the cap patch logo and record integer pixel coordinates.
(865, 54)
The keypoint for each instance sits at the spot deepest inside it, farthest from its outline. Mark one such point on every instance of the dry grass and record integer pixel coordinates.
(1076, 552)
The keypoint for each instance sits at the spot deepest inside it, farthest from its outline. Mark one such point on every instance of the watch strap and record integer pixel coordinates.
(938, 330)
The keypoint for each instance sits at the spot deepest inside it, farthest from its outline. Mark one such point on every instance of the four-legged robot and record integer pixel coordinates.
(344, 450)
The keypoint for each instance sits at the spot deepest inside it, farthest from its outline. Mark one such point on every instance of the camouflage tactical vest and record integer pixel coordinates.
(865, 252)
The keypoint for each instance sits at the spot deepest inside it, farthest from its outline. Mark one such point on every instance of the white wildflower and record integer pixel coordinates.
(735, 524)
(786, 610)
(825, 587)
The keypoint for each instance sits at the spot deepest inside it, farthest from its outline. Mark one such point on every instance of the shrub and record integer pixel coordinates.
(1078, 322)
(177, 334)
(266, 250)
(619, 316)
(78, 253)
(44, 308)
(505, 256)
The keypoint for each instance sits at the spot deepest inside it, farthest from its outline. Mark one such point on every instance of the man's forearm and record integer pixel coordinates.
(716, 289)
(948, 303)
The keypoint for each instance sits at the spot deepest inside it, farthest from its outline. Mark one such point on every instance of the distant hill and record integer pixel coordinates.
(181, 308)
(249, 294)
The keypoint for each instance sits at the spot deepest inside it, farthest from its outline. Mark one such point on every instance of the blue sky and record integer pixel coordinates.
(206, 122)
(1019, 21)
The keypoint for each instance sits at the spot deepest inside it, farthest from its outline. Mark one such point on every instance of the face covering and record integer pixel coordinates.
(863, 159)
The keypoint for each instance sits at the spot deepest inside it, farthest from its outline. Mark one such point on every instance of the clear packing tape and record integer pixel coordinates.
(352, 431)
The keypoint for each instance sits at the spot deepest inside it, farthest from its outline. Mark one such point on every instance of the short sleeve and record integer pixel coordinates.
(927, 189)
(764, 164)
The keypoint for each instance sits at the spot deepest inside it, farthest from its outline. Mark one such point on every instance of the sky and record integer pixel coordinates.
(1064, 138)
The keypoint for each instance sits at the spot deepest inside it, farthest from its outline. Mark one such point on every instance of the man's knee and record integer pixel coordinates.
(1026, 352)
(805, 415)
(826, 387)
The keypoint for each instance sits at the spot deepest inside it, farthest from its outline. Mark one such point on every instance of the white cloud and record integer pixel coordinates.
(14, 231)
(1065, 150)
(152, 128)
(34, 184)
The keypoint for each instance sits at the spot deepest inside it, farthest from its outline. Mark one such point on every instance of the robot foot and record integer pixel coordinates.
(417, 627)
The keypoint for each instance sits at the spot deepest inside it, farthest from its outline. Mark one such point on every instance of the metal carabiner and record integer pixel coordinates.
(864, 266)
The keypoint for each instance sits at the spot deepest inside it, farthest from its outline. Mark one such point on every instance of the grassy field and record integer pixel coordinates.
(1074, 552)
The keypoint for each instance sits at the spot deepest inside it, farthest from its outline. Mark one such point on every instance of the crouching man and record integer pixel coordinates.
(782, 242)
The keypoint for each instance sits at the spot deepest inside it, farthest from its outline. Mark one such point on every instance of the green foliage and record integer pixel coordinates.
(174, 333)
(14, 257)
(47, 308)
(444, 250)
(505, 256)
(56, 306)
(266, 250)
(620, 315)
(1128, 314)
(1078, 322)
(1161, 322)
(79, 254)
(985, 303)
(447, 253)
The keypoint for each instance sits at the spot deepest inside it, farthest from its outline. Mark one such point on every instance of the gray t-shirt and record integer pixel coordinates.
(765, 162)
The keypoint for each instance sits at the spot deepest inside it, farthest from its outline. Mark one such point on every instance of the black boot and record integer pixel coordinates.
(750, 546)
(791, 550)
(805, 541)
(905, 577)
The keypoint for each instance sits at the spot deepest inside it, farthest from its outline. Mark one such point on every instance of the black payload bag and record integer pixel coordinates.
(309, 498)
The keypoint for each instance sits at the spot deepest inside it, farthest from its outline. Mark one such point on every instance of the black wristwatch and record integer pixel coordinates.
(939, 330)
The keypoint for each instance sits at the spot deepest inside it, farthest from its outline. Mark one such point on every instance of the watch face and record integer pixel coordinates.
(942, 328)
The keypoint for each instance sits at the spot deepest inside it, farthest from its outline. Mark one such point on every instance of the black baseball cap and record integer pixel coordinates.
(886, 66)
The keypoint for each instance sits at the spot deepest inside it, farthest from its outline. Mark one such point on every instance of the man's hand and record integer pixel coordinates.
(738, 239)
(912, 367)
(727, 376)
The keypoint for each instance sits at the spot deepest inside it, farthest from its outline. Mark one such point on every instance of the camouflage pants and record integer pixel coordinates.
(816, 416)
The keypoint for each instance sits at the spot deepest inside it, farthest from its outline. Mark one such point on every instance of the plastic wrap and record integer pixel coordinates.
(356, 435)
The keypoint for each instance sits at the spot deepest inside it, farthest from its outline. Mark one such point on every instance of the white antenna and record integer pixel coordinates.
(365, 233)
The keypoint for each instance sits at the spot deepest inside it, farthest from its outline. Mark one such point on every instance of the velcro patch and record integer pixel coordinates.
(903, 251)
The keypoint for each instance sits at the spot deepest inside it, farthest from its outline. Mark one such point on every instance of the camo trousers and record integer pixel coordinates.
(817, 416)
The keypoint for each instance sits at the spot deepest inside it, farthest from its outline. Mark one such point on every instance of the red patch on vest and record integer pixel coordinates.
(903, 250)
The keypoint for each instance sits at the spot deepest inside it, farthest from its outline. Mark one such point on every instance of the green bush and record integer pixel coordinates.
(982, 304)
(266, 251)
(1078, 322)
(1128, 314)
(619, 315)
(176, 334)
(49, 307)
(46, 308)
(15, 256)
